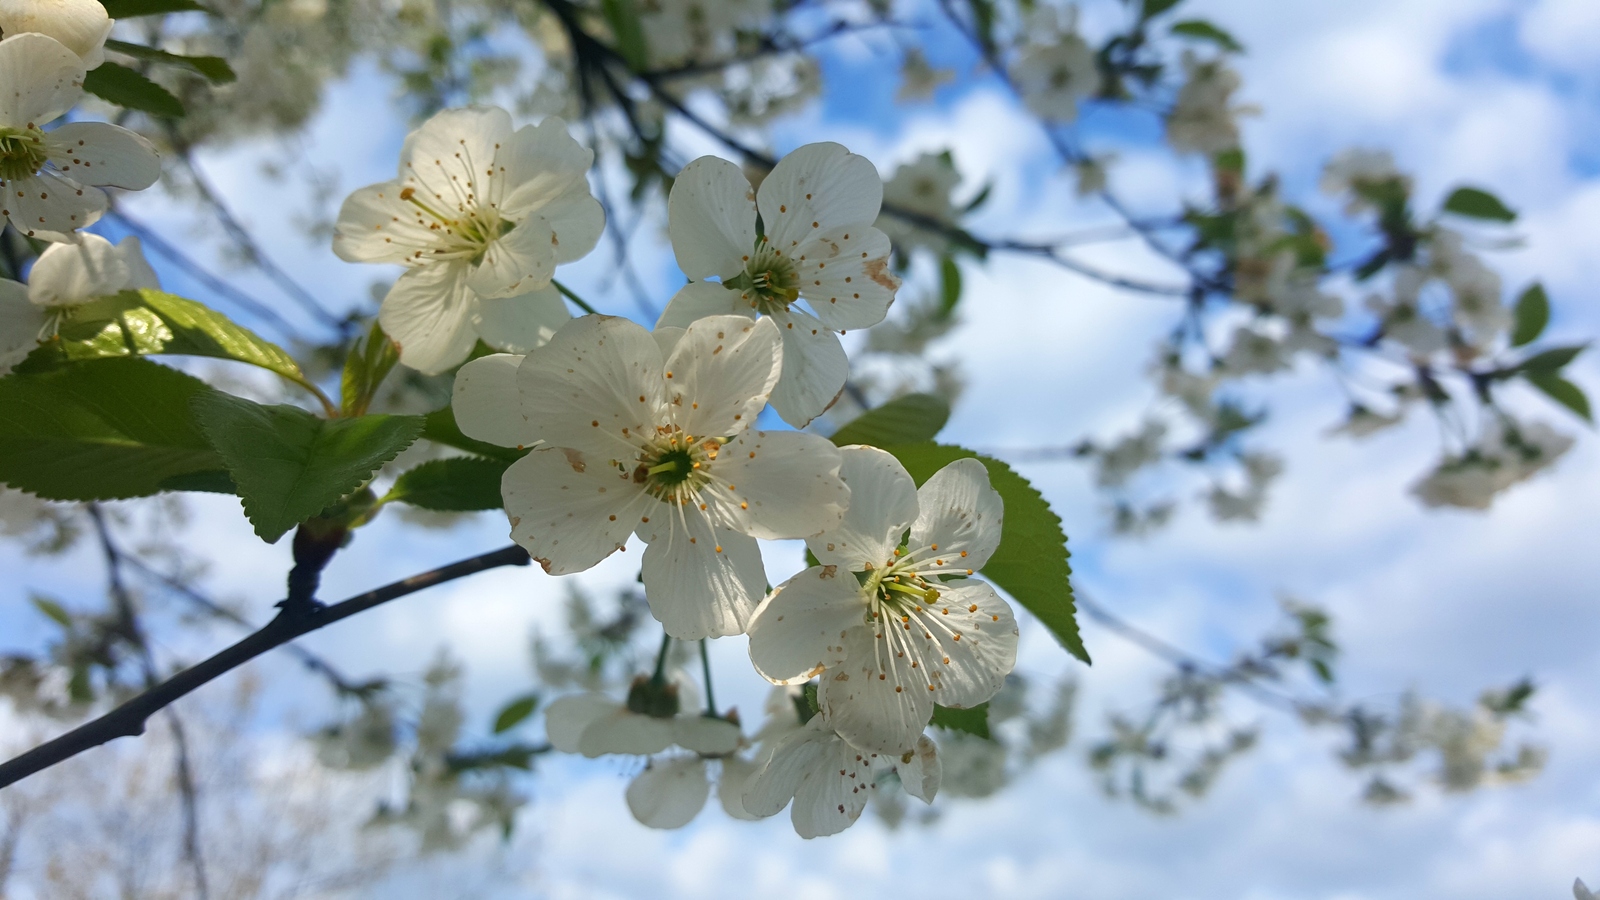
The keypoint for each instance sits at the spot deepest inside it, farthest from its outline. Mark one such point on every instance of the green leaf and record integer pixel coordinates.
(980, 199)
(214, 69)
(369, 363)
(983, 23)
(130, 90)
(1563, 392)
(100, 430)
(1478, 204)
(903, 420)
(131, 9)
(53, 610)
(1550, 361)
(441, 428)
(290, 465)
(1153, 8)
(949, 286)
(623, 17)
(1532, 314)
(515, 712)
(1201, 30)
(459, 484)
(1032, 562)
(974, 721)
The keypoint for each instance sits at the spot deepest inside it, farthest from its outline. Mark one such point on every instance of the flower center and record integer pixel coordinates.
(897, 585)
(676, 466)
(466, 235)
(770, 281)
(22, 152)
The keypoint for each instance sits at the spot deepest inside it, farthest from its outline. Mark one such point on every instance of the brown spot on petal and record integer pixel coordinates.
(878, 270)
(574, 459)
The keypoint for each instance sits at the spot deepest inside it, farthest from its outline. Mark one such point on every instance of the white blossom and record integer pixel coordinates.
(1054, 78)
(923, 187)
(1507, 453)
(877, 620)
(1203, 117)
(593, 724)
(681, 31)
(1355, 170)
(81, 26)
(63, 276)
(817, 207)
(480, 215)
(1474, 287)
(918, 79)
(658, 444)
(50, 181)
(671, 791)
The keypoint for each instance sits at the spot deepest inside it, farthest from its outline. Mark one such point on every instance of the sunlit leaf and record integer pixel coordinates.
(903, 420)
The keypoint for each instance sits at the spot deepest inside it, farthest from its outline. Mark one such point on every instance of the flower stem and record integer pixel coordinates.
(567, 292)
(705, 666)
(661, 659)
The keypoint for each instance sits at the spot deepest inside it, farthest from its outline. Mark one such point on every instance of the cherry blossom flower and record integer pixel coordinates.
(658, 444)
(1203, 118)
(65, 275)
(649, 722)
(878, 620)
(480, 215)
(81, 26)
(922, 186)
(50, 181)
(817, 207)
(1054, 78)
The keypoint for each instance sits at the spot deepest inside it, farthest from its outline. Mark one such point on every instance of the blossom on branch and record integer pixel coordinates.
(65, 275)
(81, 26)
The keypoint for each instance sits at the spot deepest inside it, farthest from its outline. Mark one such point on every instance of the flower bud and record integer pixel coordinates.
(82, 26)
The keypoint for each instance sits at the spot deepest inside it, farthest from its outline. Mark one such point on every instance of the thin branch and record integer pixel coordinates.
(128, 720)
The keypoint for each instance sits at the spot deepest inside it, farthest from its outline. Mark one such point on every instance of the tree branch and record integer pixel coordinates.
(128, 720)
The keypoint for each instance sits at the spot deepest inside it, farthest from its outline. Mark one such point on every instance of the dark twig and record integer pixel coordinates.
(128, 720)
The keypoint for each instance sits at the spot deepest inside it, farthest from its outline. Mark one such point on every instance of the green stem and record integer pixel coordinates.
(329, 408)
(705, 666)
(660, 675)
(567, 292)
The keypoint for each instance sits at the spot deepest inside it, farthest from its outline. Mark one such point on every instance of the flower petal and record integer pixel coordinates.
(546, 172)
(428, 313)
(883, 504)
(786, 765)
(669, 793)
(968, 643)
(779, 484)
(711, 219)
(102, 154)
(814, 368)
(797, 633)
(626, 733)
(818, 186)
(570, 512)
(50, 206)
(720, 374)
(844, 275)
(699, 299)
(375, 225)
(80, 25)
(70, 274)
(595, 387)
(20, 325)
(42, 79)
(140, 274)
(519, 261)
(701, 581)
(450, 160)
(919, 770)
(735, 775)
(522, 323)
(879, 699)
(960, 518)
(486, 402)
(703, 734)
(833, 792)
(566, 718)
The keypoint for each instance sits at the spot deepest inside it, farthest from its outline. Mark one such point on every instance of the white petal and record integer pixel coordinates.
(566, 718)
(669, 793)
(375, 225)
(626, 733)
(541, 164)
(596, 387)
(140, 274)
(720, 373)
(787, 763)
(428, 314)
(967, 641)
(833, 792)
(523, 322)
(703, 734)
(50, 206)
(449, 159)
(919, 770)
(817, 187)
(486, 403)
(42, 79)
(883, 504)
(845, 276)
(667, 338)
(797, 633)
(519, 261)
(699, 299)
(70, 274)
(701, 581)
(20, 324)
(569, 512)
(578, 220)
(814, 368)
(105, 155)
(735, 775)
(959, 513)
(777, 485)
(877, 700)
(711, 219)
(80, 25)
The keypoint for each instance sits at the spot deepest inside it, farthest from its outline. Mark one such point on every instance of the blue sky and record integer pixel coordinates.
(1491, 92)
